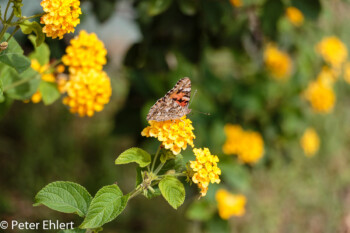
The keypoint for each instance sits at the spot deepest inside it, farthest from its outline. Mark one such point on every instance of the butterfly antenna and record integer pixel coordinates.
(192, 110)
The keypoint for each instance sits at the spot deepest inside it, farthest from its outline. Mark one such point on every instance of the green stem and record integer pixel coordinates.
(175, 174)
(159, 168)
(155, 158)
(135, 192)
(20, 82)
(14, 31)
(7, 7)
(22, 19)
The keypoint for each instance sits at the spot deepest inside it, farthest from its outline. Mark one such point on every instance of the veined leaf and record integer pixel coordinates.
(172, 190)
(66, 197)
(137, 155)
(49, 92)
(41, 52)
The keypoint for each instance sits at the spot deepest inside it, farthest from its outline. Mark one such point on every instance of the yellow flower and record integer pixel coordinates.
(321, 96)
(85, 52)
(347, 72)
(236, 3)
(230, 204)
(247, 145)
(87, 93)
(46, 75)
(327, 75)
(61, 17)
(174, 134)
(205, 169)
(333, 51)
(310, 142)
(277, 62)
(295, 16)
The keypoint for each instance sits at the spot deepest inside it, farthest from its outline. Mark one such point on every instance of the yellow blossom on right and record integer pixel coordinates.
(327, 75)
(310, 142)
(277, 62)
(174, 134)
(230, 204)
(333, 51)
(295, 16)
(247, 145)
(205, 169)
(321, 96)
(347, 72)
(61, 17)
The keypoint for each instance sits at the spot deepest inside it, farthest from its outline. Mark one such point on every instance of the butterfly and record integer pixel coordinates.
(174, 104)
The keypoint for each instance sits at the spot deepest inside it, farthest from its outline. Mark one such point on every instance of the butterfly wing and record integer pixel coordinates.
(174, 104)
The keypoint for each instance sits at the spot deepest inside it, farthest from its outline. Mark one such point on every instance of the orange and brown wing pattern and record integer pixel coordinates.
(174, 104)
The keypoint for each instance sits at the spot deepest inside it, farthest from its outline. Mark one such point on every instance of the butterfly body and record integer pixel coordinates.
(174, 104)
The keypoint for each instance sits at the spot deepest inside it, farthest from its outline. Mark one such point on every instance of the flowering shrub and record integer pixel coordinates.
(277, 62)
(310, 142)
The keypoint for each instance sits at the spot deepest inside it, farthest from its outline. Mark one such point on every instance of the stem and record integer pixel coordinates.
(135, 192)
(175, 174)
(22, 19)
(7, 7)
(155, 158)
(14, 31)
(20, 82)
(159, 168)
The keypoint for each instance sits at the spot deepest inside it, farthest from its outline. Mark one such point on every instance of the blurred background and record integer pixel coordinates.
(257, 64)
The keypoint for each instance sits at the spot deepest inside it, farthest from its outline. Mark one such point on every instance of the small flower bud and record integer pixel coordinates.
(3, 46)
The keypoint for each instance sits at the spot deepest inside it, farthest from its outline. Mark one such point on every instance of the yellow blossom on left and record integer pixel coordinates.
(247, 145)
(295, 16)
(61, 17)
(48, 77)
(87, 93)
(230, 204)
(174, 134)
(205, 169)
(310, 142)
(277, 62)
(84, 53)
(333, 51)
(321, 96)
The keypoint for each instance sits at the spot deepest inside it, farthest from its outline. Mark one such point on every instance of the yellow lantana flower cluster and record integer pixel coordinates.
(85, 52)
(310, 142)
(174, 134)
(87, 93)
(321, 96)
(205, 169)
(277, 62)
(333, 51)
(88, 88)
(247, 145)
(230, 204)
(295, 16)
(61, 18)
(45, 76)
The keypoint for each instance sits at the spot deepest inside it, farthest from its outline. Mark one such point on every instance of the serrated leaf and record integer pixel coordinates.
(13, 55)
(176, 164)
(172, 190)
(157, 7)
(107, 204)
(137, 155)
(49, 92)
(76, 230)
(28, 27)
(23, 91)
(41, 52)
(66, 197)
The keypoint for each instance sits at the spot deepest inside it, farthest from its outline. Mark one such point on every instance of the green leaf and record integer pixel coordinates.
(66, 197)
(201, 211)
(76, 230)
(13, 55)
(273, 10)
(41, 53)
(151, 194)
(172, 190)
(176, 164)
(136, 155)
(26, 83)
(157, 7)
(108, 203)
(28, 27)
(49, 92)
